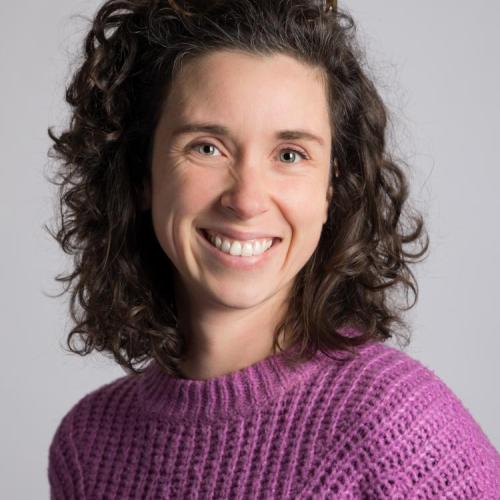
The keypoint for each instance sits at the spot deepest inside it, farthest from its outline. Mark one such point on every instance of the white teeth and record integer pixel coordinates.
(235, 248)
(247, 250)
(243, 249)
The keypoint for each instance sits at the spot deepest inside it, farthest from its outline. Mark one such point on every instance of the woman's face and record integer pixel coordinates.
(222, 162)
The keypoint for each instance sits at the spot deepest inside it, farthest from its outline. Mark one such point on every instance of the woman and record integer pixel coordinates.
(237, 224)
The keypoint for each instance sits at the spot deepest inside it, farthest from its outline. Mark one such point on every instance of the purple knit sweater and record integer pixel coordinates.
(380, 425)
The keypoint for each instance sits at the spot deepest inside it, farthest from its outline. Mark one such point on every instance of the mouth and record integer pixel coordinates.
(204, 232)
(239, 261)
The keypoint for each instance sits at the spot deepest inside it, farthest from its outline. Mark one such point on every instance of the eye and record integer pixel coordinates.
(295, 151)
(207, 145)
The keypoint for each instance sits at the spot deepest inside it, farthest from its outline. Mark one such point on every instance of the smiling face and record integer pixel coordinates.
(241, 173)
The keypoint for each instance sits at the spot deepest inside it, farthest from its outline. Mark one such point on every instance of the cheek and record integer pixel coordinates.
(175, 202)
(185, 189)
(174, 193)
(305, 211)
(305, 206)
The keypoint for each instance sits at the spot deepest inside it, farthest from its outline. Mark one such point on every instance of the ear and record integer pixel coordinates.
(329, 196)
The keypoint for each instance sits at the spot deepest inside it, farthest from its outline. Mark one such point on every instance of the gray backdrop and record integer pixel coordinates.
(436, 63)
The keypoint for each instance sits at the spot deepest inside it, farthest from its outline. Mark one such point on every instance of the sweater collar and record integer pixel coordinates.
(232, 394)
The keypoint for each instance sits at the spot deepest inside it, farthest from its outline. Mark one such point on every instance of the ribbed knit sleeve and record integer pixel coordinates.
(65, 470)
(379, 425)
(402, 434)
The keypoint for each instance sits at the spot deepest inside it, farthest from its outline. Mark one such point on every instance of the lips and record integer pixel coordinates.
(235, 261)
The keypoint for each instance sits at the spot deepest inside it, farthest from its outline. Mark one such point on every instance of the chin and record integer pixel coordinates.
(241, 300)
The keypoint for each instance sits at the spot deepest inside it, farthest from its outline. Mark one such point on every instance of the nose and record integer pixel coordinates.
(247, 196)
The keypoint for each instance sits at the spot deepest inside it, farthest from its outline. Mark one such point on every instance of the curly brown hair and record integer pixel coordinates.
(121, 285)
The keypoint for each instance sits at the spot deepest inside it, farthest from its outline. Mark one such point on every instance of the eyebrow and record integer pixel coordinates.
(213, 128)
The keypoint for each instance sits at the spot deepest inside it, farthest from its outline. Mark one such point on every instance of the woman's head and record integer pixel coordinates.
(134, 193)
(249, 178)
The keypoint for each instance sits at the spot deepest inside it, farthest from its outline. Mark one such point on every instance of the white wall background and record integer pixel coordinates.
(436, 63)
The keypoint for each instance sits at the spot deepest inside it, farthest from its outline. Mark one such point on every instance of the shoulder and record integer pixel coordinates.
(92, 412)
(408, 432)
(106, 396)
(381, 377)
(376, 378)
(385, 386)
(84, 426)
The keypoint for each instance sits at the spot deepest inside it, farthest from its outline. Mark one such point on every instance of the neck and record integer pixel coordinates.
(222, 340)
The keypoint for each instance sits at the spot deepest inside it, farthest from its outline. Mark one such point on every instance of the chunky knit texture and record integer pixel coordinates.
(379, 425)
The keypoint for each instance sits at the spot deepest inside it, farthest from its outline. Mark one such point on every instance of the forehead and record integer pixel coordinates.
(264, 90)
